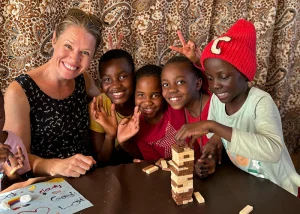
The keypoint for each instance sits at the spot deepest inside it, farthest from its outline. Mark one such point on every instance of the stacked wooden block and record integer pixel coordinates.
(182, 168)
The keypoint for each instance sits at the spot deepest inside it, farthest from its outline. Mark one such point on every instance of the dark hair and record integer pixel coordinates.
(116, 54)
(196, 71)
(148, 71)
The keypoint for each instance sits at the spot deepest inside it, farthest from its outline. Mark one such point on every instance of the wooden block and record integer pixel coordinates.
(150, 169)
(147, 167)
(164, 164)
(199, 197)
(177, 148)
(246, 210)
(167, 169)
(158, 162)
(182, 189)
(180, 179)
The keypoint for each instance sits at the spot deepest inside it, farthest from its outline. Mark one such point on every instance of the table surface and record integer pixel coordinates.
(126, 189)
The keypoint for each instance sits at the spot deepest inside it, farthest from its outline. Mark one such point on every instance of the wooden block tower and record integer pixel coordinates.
(182, 168)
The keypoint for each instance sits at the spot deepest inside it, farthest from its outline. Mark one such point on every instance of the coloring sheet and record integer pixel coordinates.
(55, 196)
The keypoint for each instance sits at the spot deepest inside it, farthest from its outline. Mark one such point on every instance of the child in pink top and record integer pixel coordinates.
(158, 122)
(13, 156)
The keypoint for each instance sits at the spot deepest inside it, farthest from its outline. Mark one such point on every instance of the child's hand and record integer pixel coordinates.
(16, 162)
(4, 152)
(214, 147)
(128, 127)
(188, 49)
(205, 166)
(118, 44)
(108, 122)
(192, 131)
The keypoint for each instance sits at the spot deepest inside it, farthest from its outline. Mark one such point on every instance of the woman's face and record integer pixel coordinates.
(73, 52)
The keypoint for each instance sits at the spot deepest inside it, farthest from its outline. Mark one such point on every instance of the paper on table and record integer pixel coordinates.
(53, 196)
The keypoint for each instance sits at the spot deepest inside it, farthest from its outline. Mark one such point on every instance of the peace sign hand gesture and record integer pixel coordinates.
(107, 121)
(117, 45)
(188, 49)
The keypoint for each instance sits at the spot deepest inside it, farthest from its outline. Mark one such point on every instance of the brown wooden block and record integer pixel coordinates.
(177, 148)
(150, 169)
(199, 197)
(157, 163)
(164, 164)
(147, 167)
(182, 172)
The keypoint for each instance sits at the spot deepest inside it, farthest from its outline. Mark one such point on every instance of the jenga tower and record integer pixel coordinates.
(182, 168)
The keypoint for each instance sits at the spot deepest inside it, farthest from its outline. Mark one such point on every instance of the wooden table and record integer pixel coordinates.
(126, 189)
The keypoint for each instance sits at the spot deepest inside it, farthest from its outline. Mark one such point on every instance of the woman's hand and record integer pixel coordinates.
(73, 166)
(192, 131)
(188, 49)
(107, 121)
(128, 127)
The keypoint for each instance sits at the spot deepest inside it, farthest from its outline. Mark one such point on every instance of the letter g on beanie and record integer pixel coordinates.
(237, 47)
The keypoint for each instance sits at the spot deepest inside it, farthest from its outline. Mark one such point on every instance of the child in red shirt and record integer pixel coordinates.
(182, 88)
(157, 123)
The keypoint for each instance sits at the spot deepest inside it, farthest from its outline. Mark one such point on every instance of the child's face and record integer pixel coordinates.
(225, 81)
(117, 80)
(148, 96)
(179, 84)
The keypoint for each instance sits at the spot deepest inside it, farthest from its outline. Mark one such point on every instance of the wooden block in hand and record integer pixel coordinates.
(246, 210)
(199, 197)
(150, 169)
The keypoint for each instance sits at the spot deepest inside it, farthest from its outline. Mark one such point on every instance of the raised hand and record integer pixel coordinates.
(188, 49)
(128, 127)
(117, 45)
(192, 131)
(73, 166)
(107, 121)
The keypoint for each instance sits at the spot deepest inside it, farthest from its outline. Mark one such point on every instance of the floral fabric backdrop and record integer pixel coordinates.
(149, 28)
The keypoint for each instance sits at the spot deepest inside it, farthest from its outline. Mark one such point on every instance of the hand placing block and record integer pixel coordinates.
(246, 210)
(150, 169)
(199, 197)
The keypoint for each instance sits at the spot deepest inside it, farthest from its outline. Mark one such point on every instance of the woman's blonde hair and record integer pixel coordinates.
(77, 17)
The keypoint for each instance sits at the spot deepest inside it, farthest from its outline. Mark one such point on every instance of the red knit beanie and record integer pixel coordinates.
(237, 46)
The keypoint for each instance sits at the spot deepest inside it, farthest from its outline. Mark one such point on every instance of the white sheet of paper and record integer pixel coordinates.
(51, 197)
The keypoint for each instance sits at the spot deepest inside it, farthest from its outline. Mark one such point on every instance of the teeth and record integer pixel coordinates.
(70, 67)
(117, 94)
(222, 94)
(174, 98)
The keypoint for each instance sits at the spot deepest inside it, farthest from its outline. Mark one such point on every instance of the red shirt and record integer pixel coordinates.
(191, 119)
(155, 140)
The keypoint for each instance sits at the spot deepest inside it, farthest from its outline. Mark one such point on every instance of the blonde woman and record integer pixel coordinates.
(48, 107)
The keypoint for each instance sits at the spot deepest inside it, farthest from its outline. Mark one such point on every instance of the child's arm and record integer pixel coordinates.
(263, 145)
(188, 49)
(103, 143)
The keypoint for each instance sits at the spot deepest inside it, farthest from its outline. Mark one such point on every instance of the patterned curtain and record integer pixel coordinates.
(149, 28)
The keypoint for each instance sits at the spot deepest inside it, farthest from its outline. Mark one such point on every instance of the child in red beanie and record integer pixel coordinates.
(246, 118)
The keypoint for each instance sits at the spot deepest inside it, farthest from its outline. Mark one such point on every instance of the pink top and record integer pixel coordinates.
(155, 140)
(13, 141)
